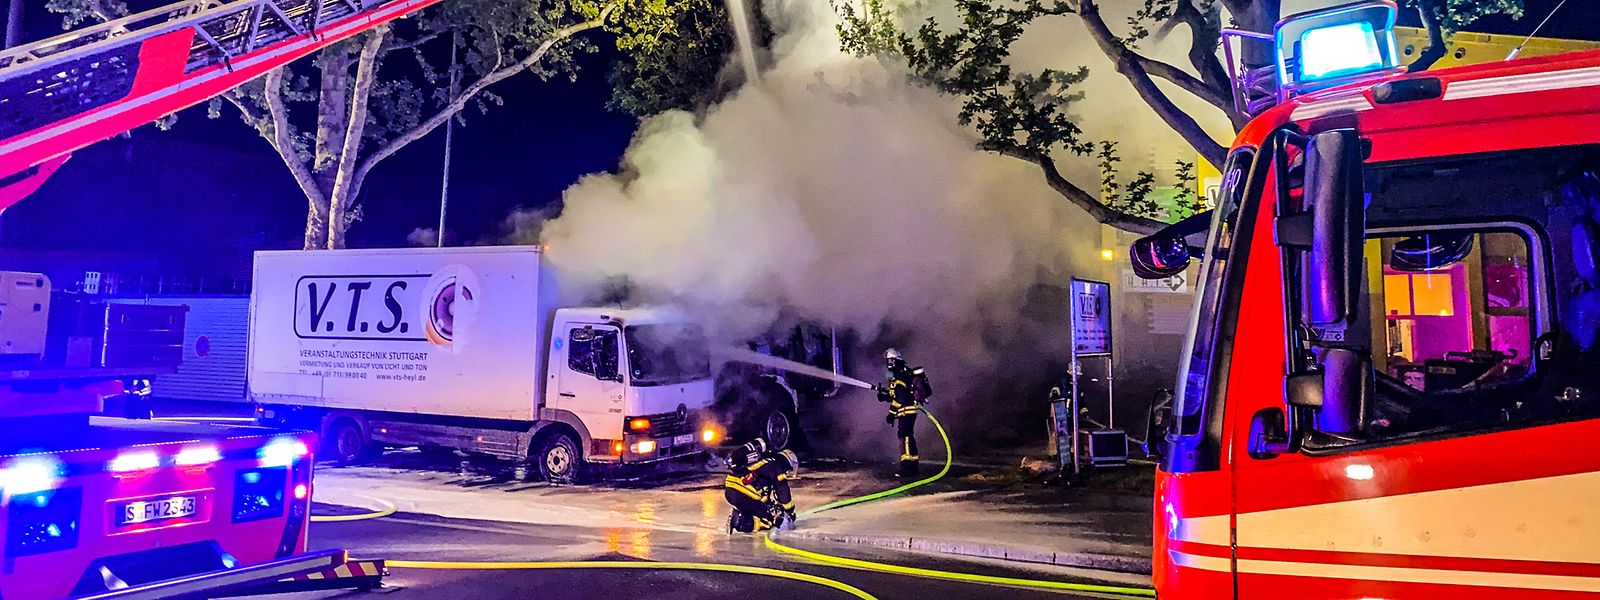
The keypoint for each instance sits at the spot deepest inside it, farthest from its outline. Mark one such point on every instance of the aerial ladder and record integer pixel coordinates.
(64, 93)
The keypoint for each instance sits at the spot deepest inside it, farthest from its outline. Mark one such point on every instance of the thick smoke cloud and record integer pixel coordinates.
(837, 190)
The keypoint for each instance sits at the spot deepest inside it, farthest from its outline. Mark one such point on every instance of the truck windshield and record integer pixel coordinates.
(667, 354)
(1192, 392)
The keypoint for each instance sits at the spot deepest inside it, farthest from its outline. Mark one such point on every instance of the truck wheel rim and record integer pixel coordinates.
(558, 460)
(349, 444)
(778, 429)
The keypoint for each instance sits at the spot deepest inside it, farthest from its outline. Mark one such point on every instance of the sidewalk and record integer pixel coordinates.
(1025, 523)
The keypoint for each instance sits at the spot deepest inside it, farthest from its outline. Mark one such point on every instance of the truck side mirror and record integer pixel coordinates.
(1167, 252)
(1159, 256)
(1269, 436)
(1155, 430)
(1347, 379)
(1335, 193)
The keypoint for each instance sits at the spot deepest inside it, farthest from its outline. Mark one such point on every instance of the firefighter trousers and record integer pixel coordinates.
(906, 428)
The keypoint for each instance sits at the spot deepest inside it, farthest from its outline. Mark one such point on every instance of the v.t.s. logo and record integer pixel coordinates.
(347, 307)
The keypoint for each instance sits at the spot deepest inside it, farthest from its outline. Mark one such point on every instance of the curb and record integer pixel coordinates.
(1085, 560)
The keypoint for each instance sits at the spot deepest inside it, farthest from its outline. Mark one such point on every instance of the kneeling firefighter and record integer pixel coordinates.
(907, 388)
(758, 487)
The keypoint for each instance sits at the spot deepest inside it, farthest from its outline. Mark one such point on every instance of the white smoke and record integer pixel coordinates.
(838, 190)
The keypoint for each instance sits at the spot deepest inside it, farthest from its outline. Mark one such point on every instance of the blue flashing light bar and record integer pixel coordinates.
(283, 452)
(1338, 50)
(28, 475)
(1336, 45)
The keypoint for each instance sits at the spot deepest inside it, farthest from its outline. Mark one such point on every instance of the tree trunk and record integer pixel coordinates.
(333, 101)
(339, 201)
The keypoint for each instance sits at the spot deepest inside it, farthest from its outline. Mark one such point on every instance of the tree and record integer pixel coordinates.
(687, 71)
(334, 118)
(1024, 115)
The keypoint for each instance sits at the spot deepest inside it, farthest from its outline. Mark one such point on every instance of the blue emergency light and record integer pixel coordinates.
(1335, 46)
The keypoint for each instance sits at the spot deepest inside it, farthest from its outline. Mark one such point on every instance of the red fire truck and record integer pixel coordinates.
(1394, 361)
(95, 506)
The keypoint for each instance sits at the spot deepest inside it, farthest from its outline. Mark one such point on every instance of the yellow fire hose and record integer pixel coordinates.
(388, 509)
(771, 544)
(934, 573)
(651, 566)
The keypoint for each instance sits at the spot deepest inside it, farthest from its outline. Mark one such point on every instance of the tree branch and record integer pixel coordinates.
(387, 48)
(1080, 198)
(283, 140)
(1182, 79)
(1128, 64)
(449, 111)
(1435, 50)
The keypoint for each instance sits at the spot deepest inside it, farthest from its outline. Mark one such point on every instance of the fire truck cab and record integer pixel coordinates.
(1393, 366)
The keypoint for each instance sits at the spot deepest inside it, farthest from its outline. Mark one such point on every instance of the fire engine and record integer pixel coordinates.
(96, 506)
(1391, 370)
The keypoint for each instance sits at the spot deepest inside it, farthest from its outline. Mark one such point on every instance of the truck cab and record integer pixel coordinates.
(1402, 414)
(638, 379)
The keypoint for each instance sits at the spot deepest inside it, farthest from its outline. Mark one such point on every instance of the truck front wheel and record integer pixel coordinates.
(559, 459)
(346, 443)
(777, 428)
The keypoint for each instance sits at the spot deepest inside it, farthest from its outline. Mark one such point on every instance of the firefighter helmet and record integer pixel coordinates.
(754, 450)
(893, 354)
(794, 461)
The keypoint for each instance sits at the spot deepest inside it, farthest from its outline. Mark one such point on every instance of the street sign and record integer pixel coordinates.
(1176, 284)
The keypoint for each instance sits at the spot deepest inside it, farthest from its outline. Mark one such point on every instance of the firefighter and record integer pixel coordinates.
(905, 389)
(758, 487)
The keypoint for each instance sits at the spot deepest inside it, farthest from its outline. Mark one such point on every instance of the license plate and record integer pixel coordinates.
(683, 440)
(161, 509)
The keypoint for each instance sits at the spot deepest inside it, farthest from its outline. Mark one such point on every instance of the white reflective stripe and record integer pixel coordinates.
(1556, 522)
(1322, 108)
(1216, 530)
(1520, 84)
(1429, 576)
(1204, 563)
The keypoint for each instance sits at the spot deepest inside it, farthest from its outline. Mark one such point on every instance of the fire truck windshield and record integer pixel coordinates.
(1197, 368)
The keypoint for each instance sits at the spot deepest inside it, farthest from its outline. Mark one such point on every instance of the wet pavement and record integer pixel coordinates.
(449, 515)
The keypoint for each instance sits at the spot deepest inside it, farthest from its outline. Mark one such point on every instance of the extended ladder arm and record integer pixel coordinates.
(69, 91)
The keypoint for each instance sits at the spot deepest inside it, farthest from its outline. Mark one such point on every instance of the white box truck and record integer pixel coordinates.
(465, 348)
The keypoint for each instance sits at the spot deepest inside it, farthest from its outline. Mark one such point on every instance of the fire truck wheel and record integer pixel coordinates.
(559, 459)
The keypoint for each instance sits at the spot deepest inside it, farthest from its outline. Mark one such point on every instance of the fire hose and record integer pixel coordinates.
(780, 548)
(868, 565)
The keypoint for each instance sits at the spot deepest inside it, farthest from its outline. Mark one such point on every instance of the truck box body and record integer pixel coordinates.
(455, 332)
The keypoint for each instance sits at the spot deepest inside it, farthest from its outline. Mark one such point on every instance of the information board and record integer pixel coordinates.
(1091, 318)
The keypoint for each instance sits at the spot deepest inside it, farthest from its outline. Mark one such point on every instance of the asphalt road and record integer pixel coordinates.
(407, 536)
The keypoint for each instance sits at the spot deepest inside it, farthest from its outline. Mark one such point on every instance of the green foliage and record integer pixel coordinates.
(1013, 113)
(76, 12)
(1187, 201)
(1134, 197)
(1456, 15)
(681, 69)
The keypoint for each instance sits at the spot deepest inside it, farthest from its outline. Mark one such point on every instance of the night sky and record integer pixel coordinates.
(214, 191)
